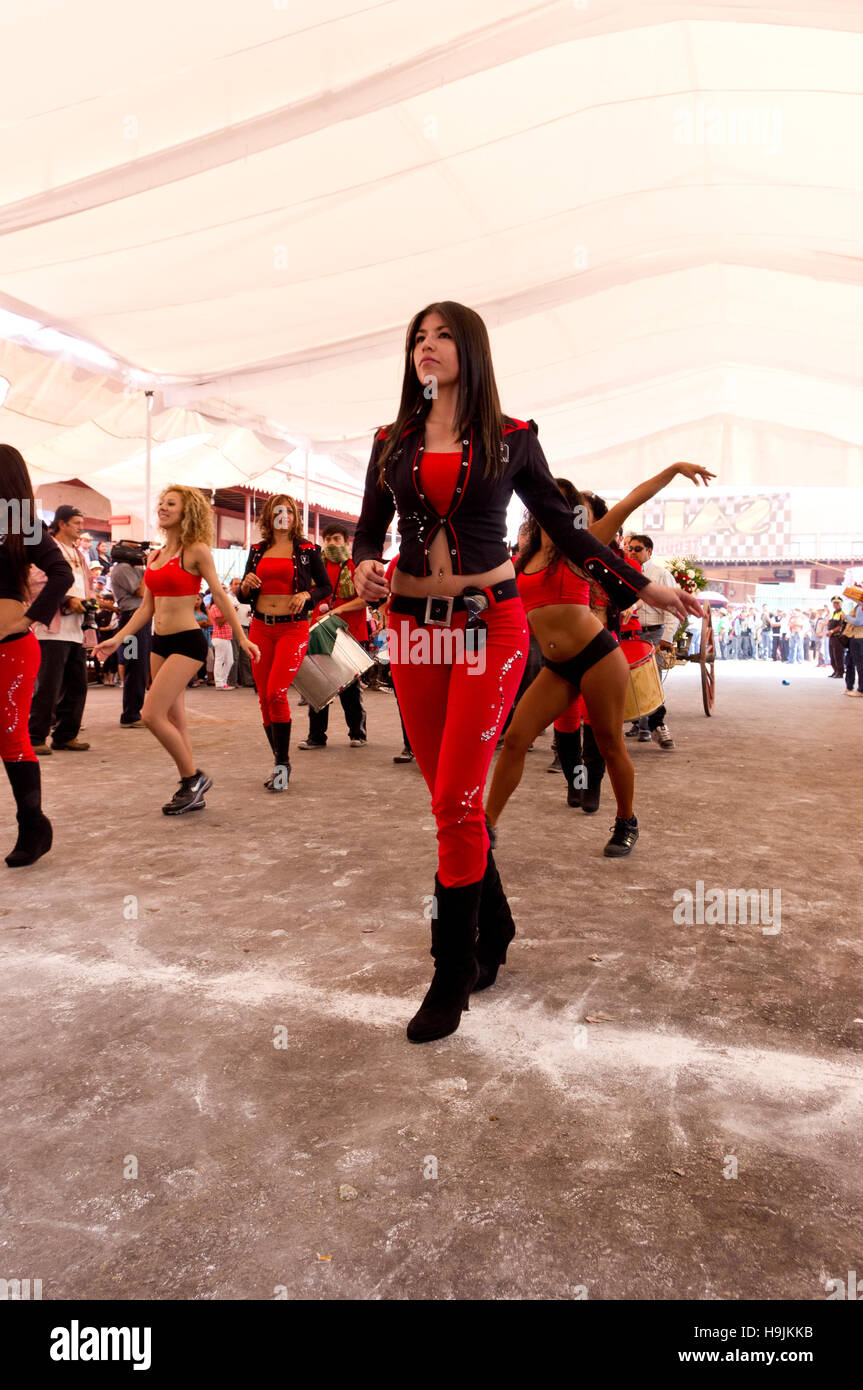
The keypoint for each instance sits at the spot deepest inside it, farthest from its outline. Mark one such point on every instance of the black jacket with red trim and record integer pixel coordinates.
(475, 521)
(310, 574)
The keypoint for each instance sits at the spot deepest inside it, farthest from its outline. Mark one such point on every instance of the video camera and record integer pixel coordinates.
(130, 552)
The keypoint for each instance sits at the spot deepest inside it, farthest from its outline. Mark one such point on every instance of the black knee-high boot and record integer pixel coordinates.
(34, 828)
(453, 932)
(569, 752)
(595, 765)
(495, 926)
(281, 776)
(268, 730)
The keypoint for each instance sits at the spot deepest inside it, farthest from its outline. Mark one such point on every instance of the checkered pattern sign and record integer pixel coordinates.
(752, 526)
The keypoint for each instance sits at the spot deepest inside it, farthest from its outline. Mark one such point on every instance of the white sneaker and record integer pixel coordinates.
(663, 737)
(855, 694)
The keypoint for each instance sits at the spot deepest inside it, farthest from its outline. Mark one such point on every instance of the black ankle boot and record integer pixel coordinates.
(495, 927)
(453, 949)
(569, 752)
(281, 775)
(595, 765)
(35, 834)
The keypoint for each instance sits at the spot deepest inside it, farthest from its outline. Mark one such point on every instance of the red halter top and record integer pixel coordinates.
(171, 580)
(550, 585)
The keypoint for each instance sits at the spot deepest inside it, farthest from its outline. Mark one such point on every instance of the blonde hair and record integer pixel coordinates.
(196, 523)
(267, 520)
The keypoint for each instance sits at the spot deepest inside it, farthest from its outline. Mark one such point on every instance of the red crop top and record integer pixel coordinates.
(552, 584)
(438, 479)
(171, 580)
(276, 575)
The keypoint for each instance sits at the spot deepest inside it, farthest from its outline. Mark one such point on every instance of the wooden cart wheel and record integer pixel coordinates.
(707, 656)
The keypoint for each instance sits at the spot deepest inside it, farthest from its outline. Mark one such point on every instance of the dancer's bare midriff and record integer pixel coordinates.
(442, 580)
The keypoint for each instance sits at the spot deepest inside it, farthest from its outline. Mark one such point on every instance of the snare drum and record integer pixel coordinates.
(331, 669)
(645, 687)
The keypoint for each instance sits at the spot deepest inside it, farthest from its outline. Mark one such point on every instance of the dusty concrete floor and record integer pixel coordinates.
(568, 1154)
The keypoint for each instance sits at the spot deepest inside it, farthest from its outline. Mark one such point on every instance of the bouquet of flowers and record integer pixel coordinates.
(688, 575)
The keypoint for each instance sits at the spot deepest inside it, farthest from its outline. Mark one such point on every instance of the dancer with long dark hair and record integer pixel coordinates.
(284, 579)
(450, 463)
(24, 542)
(172, 582)
(557, 602)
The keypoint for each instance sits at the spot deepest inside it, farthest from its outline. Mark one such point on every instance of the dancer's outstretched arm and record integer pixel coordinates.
(607, 527)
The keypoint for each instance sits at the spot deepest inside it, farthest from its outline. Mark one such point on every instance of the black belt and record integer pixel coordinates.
(436, 610)
(270, 618)
(14, 637)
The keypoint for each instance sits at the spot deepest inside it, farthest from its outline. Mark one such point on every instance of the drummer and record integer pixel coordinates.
(349, 606)
(579, 656)
(659, 629)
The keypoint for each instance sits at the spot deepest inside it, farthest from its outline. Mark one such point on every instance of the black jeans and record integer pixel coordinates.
(837, 653)
(60, 691)
(137, 668)
(241, 671)
(355, 716)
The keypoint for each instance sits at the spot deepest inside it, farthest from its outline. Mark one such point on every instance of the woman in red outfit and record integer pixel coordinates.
(283, 581)
(450, 463)
(579, 657)
(24, 541)
(172, 582)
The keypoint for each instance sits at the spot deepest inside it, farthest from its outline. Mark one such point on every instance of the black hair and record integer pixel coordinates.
(16, 488)
(533, 544)
(478, 400)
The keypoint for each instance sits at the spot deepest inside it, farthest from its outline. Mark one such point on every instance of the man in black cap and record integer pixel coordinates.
(838, 644)
(61, 686)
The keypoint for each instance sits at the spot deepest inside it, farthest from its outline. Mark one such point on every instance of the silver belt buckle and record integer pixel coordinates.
(269, 619)
(438, 611)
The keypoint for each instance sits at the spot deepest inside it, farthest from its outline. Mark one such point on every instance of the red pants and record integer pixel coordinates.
(453, 710)
(283, 646)
(19, 664)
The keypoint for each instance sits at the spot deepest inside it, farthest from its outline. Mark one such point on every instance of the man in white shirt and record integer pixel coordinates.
(61, 686)
(659, 629)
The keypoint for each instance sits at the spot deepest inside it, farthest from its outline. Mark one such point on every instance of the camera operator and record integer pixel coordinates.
(61, 686)
(126, 578)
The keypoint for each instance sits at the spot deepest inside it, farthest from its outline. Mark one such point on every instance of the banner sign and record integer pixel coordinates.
(744, 527)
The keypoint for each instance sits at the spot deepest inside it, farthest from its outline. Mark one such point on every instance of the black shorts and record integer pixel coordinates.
(573, 669)
(190, 642)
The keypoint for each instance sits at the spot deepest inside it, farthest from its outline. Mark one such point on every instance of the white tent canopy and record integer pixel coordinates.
(656, 206)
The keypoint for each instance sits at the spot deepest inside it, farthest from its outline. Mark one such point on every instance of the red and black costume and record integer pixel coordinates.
(282, 638)
(19, 664)
(453, 710)
(172, 580)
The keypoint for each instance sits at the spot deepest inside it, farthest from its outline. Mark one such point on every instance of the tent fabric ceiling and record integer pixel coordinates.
(656, 206)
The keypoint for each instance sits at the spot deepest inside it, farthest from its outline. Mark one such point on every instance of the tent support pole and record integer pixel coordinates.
(306, 492)
(147, 479)
(247, 522)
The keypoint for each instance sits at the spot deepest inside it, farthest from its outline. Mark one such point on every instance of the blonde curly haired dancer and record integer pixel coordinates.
(171, 584)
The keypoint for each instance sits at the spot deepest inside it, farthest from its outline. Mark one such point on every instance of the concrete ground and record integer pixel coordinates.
(207, 1089)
